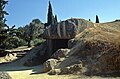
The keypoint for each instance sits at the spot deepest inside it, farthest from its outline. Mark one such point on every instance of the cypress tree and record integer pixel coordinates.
(55, 20)
(50, 18)
(89, 19)
(97, 19)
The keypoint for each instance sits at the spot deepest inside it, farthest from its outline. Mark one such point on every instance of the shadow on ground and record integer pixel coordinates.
(8, 67)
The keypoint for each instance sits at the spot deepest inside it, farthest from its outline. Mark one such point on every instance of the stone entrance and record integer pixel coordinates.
(58, 44)
(55, 44)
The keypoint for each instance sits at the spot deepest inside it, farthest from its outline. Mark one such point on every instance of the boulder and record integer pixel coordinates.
(60, 53)
(4, 75)
(73, 69)
(36, 56)
(65, 70)
(50, 64)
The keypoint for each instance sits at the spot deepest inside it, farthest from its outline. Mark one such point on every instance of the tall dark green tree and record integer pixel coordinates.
(6, 33)
(97, 19)
(89, 19)
(3, 31)
(55, 20)
(50, 17)
(2, 14)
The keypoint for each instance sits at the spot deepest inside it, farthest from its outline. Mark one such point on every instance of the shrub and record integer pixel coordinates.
(37, 42)
(14, 43)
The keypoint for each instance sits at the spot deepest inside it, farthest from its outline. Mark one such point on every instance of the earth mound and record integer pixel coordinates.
(94, 50)
(96, 47)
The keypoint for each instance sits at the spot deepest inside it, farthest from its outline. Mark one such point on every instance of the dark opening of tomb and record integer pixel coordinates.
(3, 53)
(59, 43)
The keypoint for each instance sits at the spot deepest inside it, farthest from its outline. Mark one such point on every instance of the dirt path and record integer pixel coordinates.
(21, 72)
(26, 75)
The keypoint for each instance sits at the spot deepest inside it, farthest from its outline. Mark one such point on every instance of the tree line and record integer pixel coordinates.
(15, 37)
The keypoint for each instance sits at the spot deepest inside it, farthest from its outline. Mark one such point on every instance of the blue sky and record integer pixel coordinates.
(21, 12)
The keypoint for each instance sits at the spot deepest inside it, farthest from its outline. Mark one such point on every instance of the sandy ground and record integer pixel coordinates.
(26, 75)
(21, 72)
(22, 48)
(17, 71)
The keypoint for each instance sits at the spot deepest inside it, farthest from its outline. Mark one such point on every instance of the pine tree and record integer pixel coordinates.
(55, 20)
(50, 17)
(2, 14)
(97, 19)
(3, 31)
(6, 33)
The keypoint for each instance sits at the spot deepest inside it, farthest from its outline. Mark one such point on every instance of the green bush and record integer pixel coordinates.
(14, 43)
(22, 42)
(38, 42)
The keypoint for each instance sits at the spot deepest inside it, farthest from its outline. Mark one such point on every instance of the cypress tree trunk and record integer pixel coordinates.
(29, 43)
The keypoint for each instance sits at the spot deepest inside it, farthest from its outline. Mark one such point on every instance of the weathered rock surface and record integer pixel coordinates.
(4, 75)
(49, 65)
(66, 29)
(54, 72)
(73, 69)
(36, 56)
(71, 43)
(110, 60)
(61, 53)
(98, 47)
